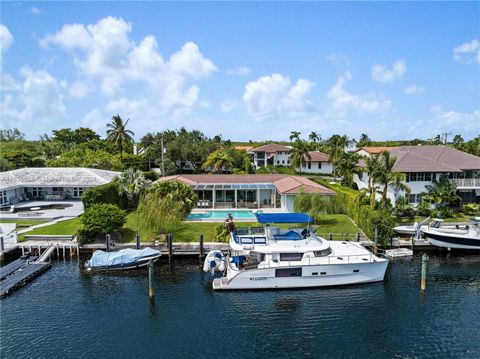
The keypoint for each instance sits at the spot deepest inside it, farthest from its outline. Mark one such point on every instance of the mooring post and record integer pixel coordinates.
(423, 284)
(330, 236)
(137, 240)
(151, 292)
(107, 239)
(200, 253)
(358, 236)
(58, 251)
(63, 247)
(170, 246)
(2, 248)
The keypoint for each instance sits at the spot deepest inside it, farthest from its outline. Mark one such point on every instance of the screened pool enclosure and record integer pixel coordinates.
(238, 195)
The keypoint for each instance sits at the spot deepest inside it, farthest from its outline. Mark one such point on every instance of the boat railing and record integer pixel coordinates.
(326, 260)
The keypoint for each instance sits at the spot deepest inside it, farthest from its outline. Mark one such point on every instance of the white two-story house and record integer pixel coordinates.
(271, 154)
(318, 163)
(422, 164)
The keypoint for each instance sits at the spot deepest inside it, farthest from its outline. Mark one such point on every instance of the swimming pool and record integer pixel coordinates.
(221, 215)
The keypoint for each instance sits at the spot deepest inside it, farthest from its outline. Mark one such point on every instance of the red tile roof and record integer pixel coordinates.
(284, 184)
(272, 147)
(374, 150)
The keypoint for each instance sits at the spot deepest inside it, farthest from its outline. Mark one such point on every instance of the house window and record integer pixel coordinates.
(415, 198)
(278, 162)
(419, 176)
(78, 191)
(319, 165)
(3, 197)
(283, 162)
(36, 191)
(309, 165)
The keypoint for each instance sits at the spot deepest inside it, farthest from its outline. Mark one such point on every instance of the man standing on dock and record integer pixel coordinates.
(229, 223)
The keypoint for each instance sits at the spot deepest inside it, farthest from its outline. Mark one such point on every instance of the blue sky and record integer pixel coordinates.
(244, 70)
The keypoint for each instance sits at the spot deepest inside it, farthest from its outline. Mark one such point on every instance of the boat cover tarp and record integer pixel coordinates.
(283, 218)
(121, 257)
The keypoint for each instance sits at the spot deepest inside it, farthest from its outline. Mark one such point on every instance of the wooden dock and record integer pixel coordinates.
(20, 272)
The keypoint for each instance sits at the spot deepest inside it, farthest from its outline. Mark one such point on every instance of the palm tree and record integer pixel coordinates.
(387, 177)
(347, 167)
(364, 140)
(336, 146)
(373, 168)
(218, 161)
(442, 192)
(300, 154)
(132, 183)
(314, 137)
(117, 133)
(294, 136)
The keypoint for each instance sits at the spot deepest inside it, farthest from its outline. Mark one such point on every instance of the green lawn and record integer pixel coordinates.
(23, 222)
(191, 231)
(69, 227)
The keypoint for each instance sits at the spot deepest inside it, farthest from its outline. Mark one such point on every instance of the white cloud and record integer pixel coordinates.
(468, 52)
(342, 101)
(274, 95)
(79, 89)
(103, 52)
(6, 39)
(37, 100)
(468, 122)
(413, 89)
(229, 105)
(384, 73)
(35, 10)
(239, 71)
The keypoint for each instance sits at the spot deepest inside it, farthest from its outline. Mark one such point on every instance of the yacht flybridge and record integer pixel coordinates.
(268, 258)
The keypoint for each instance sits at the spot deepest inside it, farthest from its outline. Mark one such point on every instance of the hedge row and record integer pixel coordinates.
(107, 193)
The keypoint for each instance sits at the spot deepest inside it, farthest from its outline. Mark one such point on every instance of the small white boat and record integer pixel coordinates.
(122, 259)
(468, 238)
(270, 258)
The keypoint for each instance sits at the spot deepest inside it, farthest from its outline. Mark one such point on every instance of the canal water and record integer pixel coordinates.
(67, 313)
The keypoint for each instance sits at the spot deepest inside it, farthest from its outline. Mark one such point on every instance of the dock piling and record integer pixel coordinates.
(151, 292)
(423, 284)
(107, 239)
(200, 253)
(137, 240)
(170, 246)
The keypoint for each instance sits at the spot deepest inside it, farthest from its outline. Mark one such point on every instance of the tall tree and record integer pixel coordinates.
(458, 141)
(117, 133)
(132, 183)
(387, 177)
(314, 137)
(347, 167)
(299, 155)
(364, 140)
(373, 169)
(218, 161)
(336, 146)
(294, 136)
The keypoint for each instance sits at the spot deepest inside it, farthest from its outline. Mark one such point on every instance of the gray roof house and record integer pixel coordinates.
(50, 183)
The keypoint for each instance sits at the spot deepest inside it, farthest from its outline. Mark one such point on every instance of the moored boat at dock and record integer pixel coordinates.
(122, 259)
(467, 238)
(271, 258)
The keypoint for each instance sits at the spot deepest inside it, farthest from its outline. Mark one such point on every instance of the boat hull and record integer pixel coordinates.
(311, 276)
(447, 240)
(138, 264)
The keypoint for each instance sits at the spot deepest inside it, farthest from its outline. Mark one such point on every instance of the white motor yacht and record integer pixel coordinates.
(270, 258)
(467, 238)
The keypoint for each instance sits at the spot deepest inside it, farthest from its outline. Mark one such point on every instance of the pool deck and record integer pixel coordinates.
(75, 210)
(226, 211)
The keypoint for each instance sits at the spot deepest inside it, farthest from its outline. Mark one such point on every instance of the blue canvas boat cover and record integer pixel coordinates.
(283, 218)
(121, 257)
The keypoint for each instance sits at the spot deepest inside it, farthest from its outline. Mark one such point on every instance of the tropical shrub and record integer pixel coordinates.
(132, 183)
(423, 209)
(101, 219)
(471, 209)
(151, 175)
(221, 233)
(107, 193)
(315, 204)
(165, 205)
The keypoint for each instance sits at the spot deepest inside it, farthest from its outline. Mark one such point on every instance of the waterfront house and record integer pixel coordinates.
(318, 163)
(272, 154)
(49, 183)
(223, 191)
(422, 164)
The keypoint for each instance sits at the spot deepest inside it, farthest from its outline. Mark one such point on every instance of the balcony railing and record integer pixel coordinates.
(467, 183)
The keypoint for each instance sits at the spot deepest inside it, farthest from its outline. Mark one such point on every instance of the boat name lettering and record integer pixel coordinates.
(258, 278)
